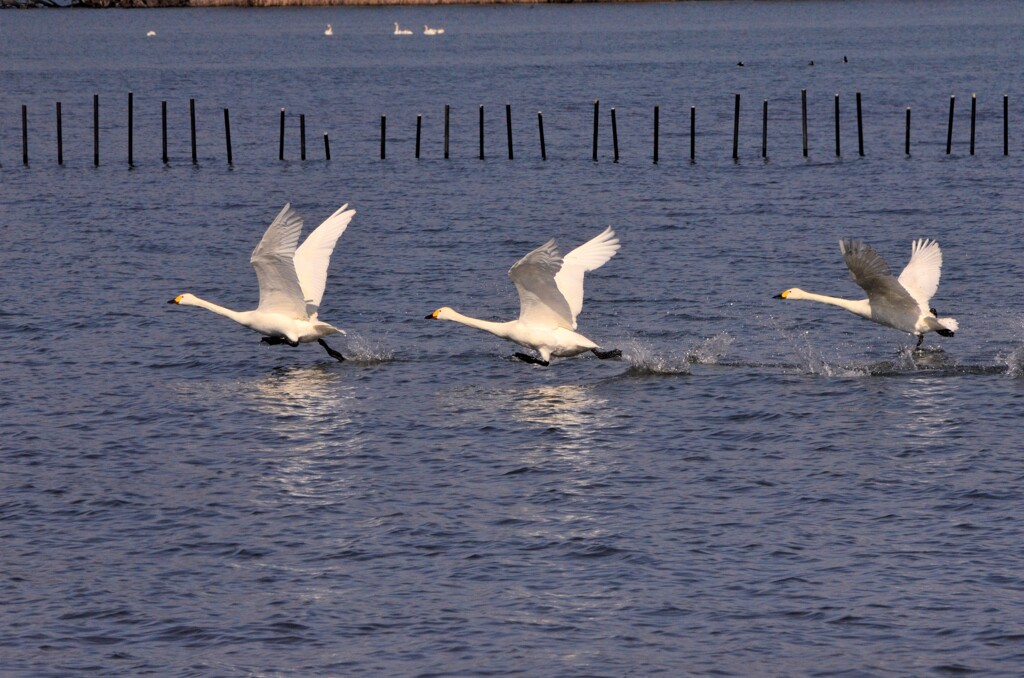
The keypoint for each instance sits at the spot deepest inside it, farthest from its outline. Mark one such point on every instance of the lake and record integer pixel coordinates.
(758, 487)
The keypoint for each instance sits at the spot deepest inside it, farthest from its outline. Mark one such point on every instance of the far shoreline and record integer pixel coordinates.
(161, 4)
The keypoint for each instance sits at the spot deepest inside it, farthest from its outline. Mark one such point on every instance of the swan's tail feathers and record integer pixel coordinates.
(326, 330)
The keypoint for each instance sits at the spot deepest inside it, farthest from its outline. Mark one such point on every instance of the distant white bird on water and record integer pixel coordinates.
(150, 34)
(427, 30)
(550, 297)
(401, 31)
(329, 30)
(291, 279)
(901, 303)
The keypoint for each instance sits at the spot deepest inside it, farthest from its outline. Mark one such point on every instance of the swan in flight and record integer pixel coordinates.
(291, 279)
(401, 31)
(550, 290)
(427, 30)
(329, 30)
(901, 303)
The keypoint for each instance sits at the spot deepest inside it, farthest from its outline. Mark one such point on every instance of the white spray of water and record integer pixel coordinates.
(361, 349)
(645, 360)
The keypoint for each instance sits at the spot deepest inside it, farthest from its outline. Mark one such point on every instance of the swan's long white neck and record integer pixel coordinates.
(241, 317)
(499, 329)
(860, 307)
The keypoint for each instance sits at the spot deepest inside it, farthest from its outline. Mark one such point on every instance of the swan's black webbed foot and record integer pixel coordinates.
(330, 351)
(944, 333)
(605, 355)
(274, 341)
(920, 339)
(530, 359)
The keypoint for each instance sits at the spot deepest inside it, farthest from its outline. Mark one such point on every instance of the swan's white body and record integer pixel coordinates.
(401, 31)
(550, 297)
(427, 30)
(291, 279)
(901, 303)
(329, 30)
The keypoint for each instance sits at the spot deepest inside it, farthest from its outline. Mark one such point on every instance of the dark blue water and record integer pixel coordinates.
(757, 488)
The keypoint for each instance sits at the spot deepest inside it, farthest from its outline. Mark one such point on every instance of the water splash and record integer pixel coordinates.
(365, 350)
(644, 360)
(711, 350)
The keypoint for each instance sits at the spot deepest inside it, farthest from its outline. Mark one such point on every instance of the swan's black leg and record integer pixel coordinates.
(944, 332)
(605, 355)
(330, 351)
(530, 359)
(920, 339)
(274, 341)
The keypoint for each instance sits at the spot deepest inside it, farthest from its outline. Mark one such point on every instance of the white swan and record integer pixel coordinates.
(329, 30)
(291, 280)
(427, 30)
(901, 303)
(401, 31)
(550, 297)
(150, 34)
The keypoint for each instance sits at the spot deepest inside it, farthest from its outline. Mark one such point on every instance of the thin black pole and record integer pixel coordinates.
(597, 104)
(838, 153)
(615, 137)
(24, 134)
(419, 127)
(447, 108)
(163, 128)
(693, 133)
(192, 118)
(803, 116)
(860, 129)
(60, 137)
(540, 126)
(96, 130)
(1006, 124)
(383, 134)
(764, 129)
(280, 146)
(227, 135)
(949, 131)
(656, 112)
(907, 142)
(481, 132)
(131, 128)
(327, 147)
(736, 130)
(302, 136)
(508, 128)
(974, 108)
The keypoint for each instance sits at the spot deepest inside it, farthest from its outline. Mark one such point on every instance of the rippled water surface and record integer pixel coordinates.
(758, 487)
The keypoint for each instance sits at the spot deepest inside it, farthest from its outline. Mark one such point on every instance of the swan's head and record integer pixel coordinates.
(793, 293)
(443, 313)
(185, 299)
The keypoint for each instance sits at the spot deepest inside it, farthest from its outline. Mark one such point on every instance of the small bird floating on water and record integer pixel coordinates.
(328, 30)
(401, 31)
(427, 30)
(150, 34)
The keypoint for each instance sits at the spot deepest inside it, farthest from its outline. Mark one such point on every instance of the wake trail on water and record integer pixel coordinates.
(644, 360)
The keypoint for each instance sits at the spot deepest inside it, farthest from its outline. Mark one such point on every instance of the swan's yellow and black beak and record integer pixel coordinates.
(781, 296)
(433, 315)
(176, 300)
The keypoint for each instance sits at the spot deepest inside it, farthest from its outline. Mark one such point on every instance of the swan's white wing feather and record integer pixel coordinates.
(314, 255)
(869, 270)
(280, 291)
(591, 255)
(921, 275)
(540, 301)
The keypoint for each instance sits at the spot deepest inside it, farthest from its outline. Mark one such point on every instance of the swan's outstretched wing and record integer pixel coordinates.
(314, 254)
(869, 270)
(921, 275)
(279, 286)
(590, 255)
(540, 301)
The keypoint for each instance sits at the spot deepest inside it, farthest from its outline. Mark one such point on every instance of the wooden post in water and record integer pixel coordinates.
(1006, 124)
(540, 126)
(693, 133)
(597, 104)
(419, 128)
(860, 129)
(383, 134)
(60, 137)
(974, 108)
(96, 130)
(447, 108)
(481, 131)
(327, 147)
(302, 136)
(615, 137)
(736, 130)
(656, 135)
(508, 128)
(131, 129)
(803, 116)
(192, 118)
(163, 129)
(949, 131)
(838, 153)
(280, 146)
(24, 134)
(764, 129)
(907, 142)
(227, 135)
